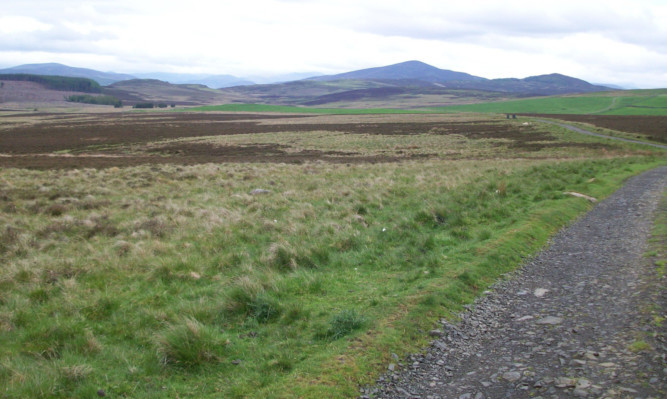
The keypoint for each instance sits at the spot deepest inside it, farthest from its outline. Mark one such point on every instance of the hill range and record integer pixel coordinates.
(55, 69)
(108, 78)
(408, 84)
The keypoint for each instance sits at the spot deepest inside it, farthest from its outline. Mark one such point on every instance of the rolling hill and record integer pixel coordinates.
(212, 81)
(409, 70)
(107, 78)
(541, 85)
(151, 90)
(410, 84)
(417, 73)
(54, 69)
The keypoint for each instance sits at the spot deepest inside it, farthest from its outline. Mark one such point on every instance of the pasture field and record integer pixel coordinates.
(137, 260)
(631, 102)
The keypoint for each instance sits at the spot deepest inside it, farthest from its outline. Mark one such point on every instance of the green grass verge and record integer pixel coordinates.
(173, 281)
(300, 110)
(471, 268)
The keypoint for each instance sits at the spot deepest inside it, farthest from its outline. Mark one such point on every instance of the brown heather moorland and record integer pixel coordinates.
(93, 140)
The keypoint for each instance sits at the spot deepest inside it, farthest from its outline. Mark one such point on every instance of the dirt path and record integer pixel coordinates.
(583, 131)
(612, 105)
(579, 320)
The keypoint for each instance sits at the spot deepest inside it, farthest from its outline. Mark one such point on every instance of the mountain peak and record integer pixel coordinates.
(552, 76)
(408, 70)
(414, 63)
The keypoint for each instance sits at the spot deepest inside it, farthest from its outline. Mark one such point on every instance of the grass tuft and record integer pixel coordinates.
(342, 324)
(281, 256)
(189, 344)
(75, 373)
(264, 308)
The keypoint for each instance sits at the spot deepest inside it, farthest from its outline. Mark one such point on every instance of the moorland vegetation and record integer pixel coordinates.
(236, 255)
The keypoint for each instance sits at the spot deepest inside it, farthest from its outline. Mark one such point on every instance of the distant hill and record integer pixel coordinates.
(219, 81)
(60, 83)
(38, 94)
(406, 84)
(107, 78)
(417, 73)
(212, 81)
(281, 78)
(299, 91)
(103, 78)
(409, 70)
(541, 85)
(152, 90)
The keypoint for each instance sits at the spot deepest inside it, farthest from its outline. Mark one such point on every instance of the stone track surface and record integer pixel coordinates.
(578, 320)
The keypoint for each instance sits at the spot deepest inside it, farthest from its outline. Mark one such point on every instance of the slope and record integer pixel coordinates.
(151, 90)
(103, 78)
(415, 70)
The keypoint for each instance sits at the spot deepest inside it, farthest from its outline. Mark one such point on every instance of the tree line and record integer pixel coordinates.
(100, 100)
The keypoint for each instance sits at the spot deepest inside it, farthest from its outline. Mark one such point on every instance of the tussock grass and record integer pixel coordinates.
(164, 281)
(189, 344)
(342, 324)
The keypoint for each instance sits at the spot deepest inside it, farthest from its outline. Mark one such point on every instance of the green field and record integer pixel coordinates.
(176, 281)
(634, 102)
(631, 102)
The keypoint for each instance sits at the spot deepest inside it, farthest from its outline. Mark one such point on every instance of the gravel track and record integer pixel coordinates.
(575, 321)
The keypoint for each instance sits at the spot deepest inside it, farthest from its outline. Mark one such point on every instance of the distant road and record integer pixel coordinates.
(583, 131)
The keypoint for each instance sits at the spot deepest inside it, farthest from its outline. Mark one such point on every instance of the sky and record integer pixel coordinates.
(610, 41)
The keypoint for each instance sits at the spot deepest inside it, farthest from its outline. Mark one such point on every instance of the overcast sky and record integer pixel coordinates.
(607, 41)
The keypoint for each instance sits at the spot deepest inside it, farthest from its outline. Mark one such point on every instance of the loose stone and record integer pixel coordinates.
(550, 320)
(512, 376)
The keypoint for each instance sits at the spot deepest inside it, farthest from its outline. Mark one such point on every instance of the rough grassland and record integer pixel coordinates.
(174, 281)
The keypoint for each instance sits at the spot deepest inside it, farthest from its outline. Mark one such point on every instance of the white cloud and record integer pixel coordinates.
(16, 24)
(617, 41)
